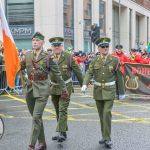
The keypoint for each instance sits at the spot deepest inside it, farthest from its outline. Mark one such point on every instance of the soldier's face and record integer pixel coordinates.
(57, 49)
(37, 44)
(103, 50)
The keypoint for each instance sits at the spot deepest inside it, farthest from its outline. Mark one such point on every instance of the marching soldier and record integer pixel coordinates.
(66, 65)
(106, 72)
(38, 65)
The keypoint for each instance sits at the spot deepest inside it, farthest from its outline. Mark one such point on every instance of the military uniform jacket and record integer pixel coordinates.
(66, 65)
(38, 71)
(105, 72)
(1, 63)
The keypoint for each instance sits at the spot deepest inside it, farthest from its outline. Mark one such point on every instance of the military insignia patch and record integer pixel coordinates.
(111, 68)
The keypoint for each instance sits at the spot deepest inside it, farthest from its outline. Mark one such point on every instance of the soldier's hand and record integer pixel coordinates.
(64, 94)
(121, 97)
(83, 89)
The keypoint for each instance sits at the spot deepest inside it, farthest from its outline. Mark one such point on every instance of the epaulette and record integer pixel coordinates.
(96, 58)
(45, 52)
(113, 56)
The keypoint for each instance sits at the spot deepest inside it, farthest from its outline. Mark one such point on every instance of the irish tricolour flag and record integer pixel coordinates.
(10, 52)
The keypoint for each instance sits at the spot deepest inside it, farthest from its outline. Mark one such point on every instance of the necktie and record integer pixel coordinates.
(103, 59)
(57, 58)
(35, 55)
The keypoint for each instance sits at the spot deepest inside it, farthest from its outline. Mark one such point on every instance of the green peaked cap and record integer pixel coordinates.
(54, 40)
(103, 40)
(38, 35)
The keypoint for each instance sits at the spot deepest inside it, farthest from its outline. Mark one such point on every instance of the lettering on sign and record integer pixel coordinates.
(141, 71)
(20, 32)
(68, 32)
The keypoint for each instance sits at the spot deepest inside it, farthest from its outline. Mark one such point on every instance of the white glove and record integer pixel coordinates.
(121, 97)
(84, 88)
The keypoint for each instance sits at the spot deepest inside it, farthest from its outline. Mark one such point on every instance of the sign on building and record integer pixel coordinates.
(22, 31)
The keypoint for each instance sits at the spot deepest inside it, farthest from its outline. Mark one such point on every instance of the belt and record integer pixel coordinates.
(67, 81)
(37, 78)
(104, 84)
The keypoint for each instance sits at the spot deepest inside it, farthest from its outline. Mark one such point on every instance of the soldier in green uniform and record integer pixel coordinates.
(38, 65)
(66, 65)
(105, 69)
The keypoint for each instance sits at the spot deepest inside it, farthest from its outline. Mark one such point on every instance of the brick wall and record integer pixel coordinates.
(145, 3)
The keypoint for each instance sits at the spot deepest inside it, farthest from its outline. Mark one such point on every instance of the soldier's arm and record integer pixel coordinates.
(76, 69)
(119, 79)
(89, 74)
(54, 69)
(23, 62)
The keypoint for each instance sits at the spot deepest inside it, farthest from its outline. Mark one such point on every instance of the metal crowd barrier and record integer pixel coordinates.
(3, 82)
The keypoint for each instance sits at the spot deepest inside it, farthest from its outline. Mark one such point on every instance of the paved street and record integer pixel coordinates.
(130, 128)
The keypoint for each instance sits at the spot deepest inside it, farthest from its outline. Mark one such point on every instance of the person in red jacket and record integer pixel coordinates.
(78, 59)
(135, 57)
(121, 55)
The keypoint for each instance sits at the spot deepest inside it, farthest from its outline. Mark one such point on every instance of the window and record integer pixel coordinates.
(102, 18)
(69, 23)
(116, 34)
(137, 30)
(130, 28)
(20, 12)
(87, 5)
(20, 16)
(147, 29)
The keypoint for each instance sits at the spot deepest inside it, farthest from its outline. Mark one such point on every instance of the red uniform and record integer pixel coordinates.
(137, 58)
(123, 58)
(79, 60)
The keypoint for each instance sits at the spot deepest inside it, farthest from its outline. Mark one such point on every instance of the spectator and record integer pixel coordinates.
(121, 55)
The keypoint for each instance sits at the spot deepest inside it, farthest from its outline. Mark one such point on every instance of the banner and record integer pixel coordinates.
(137, 79)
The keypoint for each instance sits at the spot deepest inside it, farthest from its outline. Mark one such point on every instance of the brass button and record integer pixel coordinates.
(103, 73)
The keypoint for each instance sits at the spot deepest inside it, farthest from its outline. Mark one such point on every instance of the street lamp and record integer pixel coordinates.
(119, 20)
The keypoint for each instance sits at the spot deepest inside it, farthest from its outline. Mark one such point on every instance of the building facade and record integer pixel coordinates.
(125, 21)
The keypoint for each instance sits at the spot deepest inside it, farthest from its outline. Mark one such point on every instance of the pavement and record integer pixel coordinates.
(130, 124)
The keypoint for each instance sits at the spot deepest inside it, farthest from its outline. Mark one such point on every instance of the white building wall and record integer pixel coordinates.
(95, 11)
(149, 30)
(47, 13)
(124, 28)
(136, 8)
(143, 30)
(49, 18)
(78, 25)
(133, 32)
(3, 3)
(95, 17)
(109, 25)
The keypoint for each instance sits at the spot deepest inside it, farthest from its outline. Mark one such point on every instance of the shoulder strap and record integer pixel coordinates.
(48, 57)
(70, 60)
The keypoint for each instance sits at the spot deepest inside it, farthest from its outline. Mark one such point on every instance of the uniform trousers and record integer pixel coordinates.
(61, 108)
(104, 108)
(36, 107)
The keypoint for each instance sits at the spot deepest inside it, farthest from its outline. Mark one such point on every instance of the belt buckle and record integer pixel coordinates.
(103, 85)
